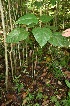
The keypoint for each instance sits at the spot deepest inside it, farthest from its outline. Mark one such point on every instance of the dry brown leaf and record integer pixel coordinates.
(1, 32)
(67, 73)
(45, 102)
(24, 95)
(47, 81)
(3, 104)
(44, 74)
(24, 102)
(59, 83)
(58, 96)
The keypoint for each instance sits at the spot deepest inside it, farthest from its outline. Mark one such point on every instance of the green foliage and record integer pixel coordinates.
(27, 19)
(18, 84)
(39, 95)
(45, 18)
(57, 73)
(66, 102)
(64, 61)
(36, 104)
(16, 35)
(48, 85)
(30, 96)
(38, 4)
(58, 40)
(55, 69)
(33, 97)
(53, 28)
(42, 35)
(67, 83)
(2, 76)
(69, 94)
(54, 100)
(53, 2)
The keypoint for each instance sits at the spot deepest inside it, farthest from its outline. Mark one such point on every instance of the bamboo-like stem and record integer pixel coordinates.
(23, 53)
(19, 53)
(33, 54)
(11, 43)
(56, 14)
(33, 7)
(26, 42)
(47, 8)
(26, 49)
(14, 14)
(40, 26)
(15, 49)
(15, 57)
(10, 15)
(26, 54)
(63, 23)
(40, 15)
(5, 44)
(32, 66)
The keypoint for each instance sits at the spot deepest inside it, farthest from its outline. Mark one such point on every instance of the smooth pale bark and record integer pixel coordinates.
(5, 44)
(11, 43)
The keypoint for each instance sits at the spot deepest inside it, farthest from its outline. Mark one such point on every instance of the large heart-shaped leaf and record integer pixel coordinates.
(58, 40)
(42, 35)
(27, 19)
(16, 35)
(46, 18)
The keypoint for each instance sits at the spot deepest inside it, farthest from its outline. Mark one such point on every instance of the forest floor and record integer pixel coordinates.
(45, 88)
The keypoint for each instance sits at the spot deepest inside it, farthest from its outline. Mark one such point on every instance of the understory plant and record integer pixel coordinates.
(18, 85)
(41, 34)
(29, 27)
(33, 98)
(65, 102)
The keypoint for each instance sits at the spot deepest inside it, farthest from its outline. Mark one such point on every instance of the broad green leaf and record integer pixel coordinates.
(46, 18)
(67, 83)
(42, 35)
(27, 19)
(16, 35)
(58, 40)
